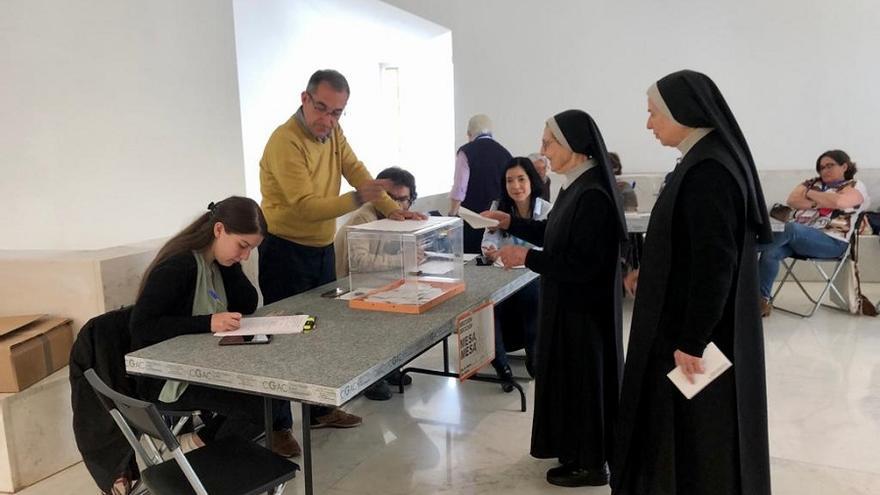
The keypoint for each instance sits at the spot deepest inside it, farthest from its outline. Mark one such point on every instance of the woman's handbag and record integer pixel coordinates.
(781, 212)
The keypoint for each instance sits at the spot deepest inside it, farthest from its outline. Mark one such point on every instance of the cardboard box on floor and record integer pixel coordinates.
(32, 347)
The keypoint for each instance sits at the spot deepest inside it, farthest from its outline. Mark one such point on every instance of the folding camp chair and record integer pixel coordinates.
(827, 281)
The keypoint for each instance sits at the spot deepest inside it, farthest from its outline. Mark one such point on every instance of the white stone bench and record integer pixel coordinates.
(36, 436)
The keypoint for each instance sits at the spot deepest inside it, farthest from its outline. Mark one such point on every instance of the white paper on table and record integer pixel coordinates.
(353, 294)
(268, 325)
(500, 264)
(475, 220)
(436, 267)
(406, 295)
(436, 254)
(714, 363)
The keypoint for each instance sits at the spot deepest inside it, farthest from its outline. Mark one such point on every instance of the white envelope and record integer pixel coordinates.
(714, 363)
(475, 220)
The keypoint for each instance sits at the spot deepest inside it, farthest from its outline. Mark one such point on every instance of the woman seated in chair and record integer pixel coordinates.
(627, 189)
(516, 318)
(825, 211)
(196, 285)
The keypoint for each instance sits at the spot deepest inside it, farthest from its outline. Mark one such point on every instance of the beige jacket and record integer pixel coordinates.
(371, 256)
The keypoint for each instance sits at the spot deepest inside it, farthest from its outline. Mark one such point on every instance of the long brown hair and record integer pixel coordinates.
(238, 215)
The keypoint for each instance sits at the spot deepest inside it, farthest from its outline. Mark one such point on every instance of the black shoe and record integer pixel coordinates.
(560, 470)
(505, 374)
(395, 377)
(378, 391)
(571, 475)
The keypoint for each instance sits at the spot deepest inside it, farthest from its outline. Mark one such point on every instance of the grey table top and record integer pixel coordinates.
(637, 223)
(348, 350)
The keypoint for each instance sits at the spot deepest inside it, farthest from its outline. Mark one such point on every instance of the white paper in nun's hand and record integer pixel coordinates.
(714, 363)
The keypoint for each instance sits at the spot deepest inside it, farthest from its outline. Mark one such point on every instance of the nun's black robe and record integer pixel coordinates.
(698, 284)
(578, 358)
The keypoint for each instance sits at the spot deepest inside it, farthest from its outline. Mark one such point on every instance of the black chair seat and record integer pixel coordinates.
(231, 466)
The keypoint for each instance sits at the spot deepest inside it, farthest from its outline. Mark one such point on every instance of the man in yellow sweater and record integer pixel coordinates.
(300, 176)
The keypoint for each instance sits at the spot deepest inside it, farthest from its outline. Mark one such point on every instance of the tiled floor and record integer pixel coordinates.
(443, 437)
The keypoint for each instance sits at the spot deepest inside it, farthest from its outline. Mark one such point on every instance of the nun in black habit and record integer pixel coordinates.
(579, 357)
(698, 284)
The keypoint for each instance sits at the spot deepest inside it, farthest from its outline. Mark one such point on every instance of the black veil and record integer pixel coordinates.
(695, 101)
(582, 136)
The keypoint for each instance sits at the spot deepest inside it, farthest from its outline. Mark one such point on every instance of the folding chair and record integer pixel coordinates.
(827, 281)
(231, 466)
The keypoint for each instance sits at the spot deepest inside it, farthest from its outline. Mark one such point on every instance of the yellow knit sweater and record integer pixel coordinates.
(300, 179)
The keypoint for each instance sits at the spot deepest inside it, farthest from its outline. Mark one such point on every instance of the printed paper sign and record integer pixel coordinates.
(476, 339)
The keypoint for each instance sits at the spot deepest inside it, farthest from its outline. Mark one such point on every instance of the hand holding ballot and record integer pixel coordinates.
(690, 365)
(476, 220)
(692, 374)
(502, 218)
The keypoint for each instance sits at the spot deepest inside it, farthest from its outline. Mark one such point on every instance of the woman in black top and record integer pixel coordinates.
(516, 318)
(196, 285)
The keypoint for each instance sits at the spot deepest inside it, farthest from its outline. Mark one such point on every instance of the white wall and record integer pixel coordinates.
(119, 121)
(801, 76)
(280, 43)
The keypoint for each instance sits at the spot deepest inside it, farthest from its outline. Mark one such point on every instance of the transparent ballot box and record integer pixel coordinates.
(405, 266)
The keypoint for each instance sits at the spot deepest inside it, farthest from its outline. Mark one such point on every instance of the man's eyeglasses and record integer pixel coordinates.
(323, 110)
(402, 200)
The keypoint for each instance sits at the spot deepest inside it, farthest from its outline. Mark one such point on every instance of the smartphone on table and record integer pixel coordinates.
(245, 339)
(483, 260)
(334, 293)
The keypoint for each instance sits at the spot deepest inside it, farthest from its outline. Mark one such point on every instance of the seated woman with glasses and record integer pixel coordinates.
(825, 211)
(516, 318)
(627, 189)
(375, 256)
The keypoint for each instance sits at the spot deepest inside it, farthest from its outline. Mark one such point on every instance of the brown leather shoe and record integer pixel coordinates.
(284, 444)
(766, 307)
(337, 418)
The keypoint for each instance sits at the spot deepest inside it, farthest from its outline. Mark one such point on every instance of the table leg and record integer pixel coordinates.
(307, 447)
(268, 421)
(446, 354)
